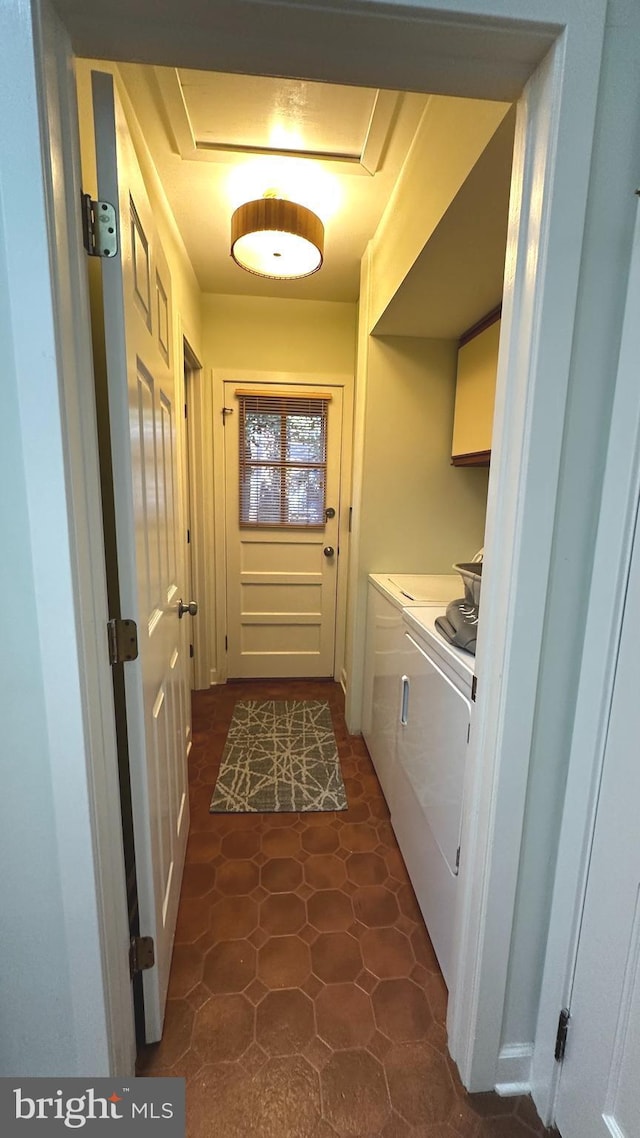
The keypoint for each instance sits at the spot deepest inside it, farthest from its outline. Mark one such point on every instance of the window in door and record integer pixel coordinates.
(283, 459)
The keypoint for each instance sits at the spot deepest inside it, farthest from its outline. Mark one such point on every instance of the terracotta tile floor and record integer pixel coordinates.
(305, 998)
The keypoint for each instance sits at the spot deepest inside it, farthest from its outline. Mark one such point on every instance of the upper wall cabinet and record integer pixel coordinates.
(475, 393)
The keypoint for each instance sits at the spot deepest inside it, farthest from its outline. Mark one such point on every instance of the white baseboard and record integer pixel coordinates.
(513, 1075)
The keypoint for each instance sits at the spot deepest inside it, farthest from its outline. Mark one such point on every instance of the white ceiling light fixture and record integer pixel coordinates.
(273, 237)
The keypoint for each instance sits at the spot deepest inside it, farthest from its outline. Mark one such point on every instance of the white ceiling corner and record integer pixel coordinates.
(350, 127)
(170, 89)
(380, 125)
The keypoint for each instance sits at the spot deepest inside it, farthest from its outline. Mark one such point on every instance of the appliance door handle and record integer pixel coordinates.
(404, 702)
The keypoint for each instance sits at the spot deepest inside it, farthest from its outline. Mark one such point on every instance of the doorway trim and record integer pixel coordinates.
(612, 563)
(199, 520)
(217, 566)
(73, 641)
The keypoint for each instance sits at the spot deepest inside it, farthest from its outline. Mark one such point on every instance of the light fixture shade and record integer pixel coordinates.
(272, 237)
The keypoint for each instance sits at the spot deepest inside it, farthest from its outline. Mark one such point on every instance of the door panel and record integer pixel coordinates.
(281, 588)
(138, 321)
(598, 1095)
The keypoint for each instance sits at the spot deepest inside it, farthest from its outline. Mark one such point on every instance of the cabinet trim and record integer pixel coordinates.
(481, 325)
(475, 458)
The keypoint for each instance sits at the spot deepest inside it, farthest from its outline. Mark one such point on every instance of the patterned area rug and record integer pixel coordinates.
(280, 755)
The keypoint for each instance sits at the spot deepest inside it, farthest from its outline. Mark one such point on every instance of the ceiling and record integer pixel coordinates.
(388, 44)
(219, 140)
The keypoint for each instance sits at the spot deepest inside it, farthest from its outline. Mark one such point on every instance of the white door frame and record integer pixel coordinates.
(603, 631)
(196, 512)
(43, 262)
(216, 567)
(556, 131)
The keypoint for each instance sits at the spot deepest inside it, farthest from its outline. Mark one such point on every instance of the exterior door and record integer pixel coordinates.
(281, 578)
(598, 1096)
(141, 382)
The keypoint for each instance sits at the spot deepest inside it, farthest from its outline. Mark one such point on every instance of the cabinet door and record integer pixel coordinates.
(384, 654)
(475, 397)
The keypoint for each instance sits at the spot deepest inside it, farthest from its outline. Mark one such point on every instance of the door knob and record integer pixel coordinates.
(191, 607)
(328, 551)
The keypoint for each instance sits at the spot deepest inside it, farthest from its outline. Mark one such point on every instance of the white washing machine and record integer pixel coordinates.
(432, 741)
(388, 596)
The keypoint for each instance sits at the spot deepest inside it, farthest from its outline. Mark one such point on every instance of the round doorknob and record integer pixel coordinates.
(191, 608)
(328, 551)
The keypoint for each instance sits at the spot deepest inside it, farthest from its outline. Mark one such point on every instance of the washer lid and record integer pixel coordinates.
(427, 588)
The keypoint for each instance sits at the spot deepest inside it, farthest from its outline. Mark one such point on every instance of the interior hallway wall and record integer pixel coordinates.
(302, 338)
(270, 334)
(419, 513)
(412, 510)
(415, 512)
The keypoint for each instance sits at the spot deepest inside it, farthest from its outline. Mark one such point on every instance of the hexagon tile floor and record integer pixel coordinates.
(305, 999)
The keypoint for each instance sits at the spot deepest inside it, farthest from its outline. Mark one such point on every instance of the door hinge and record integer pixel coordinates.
(561, 1036)
(191, 651)
(188, 537)
(468, 731)
(123, 641)
(474, 688)
(141, 954)
(457, 859)
(226, 643)
(99, 227)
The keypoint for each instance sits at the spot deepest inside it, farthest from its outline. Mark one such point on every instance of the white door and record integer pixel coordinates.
(281, 578)
(138, 334)
(599, 1094)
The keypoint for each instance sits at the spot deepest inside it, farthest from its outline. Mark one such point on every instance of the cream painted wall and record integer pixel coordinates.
(413, 511)
(418, 514)
(451, 137)
(268, 334)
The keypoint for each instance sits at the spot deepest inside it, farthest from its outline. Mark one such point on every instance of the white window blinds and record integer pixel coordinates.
(283, 459)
